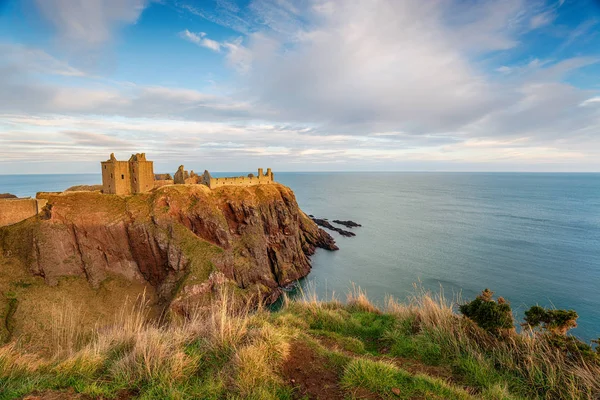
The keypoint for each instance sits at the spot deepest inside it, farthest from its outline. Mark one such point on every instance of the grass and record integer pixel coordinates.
(418, 349)
(388, 381)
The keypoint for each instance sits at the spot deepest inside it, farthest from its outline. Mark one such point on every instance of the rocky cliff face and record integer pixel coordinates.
(181, 240)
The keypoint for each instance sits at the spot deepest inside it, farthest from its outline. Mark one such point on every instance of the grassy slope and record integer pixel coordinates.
(308, 349)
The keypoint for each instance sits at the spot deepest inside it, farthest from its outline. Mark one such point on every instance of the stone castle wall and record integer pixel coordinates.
(116, 178)
(17, 210)
(260, 179)
(163, 182)
(142, 176)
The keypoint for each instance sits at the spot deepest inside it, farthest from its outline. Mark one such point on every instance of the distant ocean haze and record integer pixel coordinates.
(533, 238)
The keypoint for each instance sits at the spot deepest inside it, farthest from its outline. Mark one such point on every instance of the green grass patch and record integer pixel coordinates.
(366, 326)
(390, 382)
(421, 346)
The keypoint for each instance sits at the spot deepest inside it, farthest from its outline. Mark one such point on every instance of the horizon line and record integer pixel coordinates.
(350, 171)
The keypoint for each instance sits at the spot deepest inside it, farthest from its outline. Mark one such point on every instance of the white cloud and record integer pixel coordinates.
(591, 101)
(238, 56)
(201, 40)
(581, 31)
(34, 60)
(89, 22)
(542, 19)
(373, 65)
(23, 89)
(366, 84)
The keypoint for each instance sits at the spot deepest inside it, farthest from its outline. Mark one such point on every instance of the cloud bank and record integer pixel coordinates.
(367, 84)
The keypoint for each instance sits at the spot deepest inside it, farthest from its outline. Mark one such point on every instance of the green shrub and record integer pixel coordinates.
(493, 316)
(554, 321)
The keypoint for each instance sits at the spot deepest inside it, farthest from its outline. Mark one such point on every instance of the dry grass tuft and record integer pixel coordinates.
(67, 331)
(357, 300)
(156, 355)
(16, 362)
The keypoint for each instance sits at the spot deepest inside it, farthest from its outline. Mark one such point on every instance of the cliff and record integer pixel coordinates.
(176, 244)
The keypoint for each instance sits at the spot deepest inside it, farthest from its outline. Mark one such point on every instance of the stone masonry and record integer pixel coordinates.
(127, 177)
(13, 210)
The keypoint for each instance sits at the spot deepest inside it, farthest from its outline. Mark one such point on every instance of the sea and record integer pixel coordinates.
(532, 238)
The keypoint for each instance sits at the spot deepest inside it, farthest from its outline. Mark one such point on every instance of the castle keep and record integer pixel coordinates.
(127, 177)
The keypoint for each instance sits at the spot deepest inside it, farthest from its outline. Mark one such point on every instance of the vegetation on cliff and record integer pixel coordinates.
(177, 244)
(307, 349)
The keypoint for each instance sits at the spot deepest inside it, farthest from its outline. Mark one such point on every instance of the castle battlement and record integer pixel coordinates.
(251, 179)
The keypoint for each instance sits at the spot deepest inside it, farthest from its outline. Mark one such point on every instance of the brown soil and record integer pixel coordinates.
(308, 372)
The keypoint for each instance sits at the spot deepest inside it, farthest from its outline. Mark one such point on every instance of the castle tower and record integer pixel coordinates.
(180, 175)
(142, 173)
(127, 177)
(260, 172)
(115, 176)
(270, 174)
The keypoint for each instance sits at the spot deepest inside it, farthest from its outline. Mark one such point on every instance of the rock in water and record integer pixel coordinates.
(347, 224)
(325, 224)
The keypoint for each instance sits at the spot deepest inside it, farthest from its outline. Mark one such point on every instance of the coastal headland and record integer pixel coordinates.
(177, 243)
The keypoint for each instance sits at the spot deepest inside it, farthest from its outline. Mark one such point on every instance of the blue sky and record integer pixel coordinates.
(303, 85)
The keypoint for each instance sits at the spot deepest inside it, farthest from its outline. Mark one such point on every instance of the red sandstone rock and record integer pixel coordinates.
(253, 236)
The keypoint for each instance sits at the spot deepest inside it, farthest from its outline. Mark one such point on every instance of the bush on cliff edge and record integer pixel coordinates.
(493, 316)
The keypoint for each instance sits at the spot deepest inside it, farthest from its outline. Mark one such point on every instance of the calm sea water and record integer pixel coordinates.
(532, 238)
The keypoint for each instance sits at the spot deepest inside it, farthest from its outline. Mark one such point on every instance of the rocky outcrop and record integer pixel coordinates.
(182, 240)
(347, 224)
(7, 196)
(84, 188)
(326, 224)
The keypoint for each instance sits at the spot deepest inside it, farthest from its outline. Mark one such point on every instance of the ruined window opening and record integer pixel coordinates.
(122, 176)
(111, 175)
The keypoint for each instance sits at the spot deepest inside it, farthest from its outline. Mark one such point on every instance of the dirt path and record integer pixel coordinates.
(308, 372)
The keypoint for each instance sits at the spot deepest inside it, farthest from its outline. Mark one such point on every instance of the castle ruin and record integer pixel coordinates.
(137, 176)
(14, 209)
(251, 179)
(127, 177)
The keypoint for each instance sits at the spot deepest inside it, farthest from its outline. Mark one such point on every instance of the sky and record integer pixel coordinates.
(304, 85)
